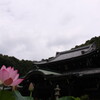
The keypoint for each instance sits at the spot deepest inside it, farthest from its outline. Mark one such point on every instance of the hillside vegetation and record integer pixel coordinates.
(23, 66)
(95, 40)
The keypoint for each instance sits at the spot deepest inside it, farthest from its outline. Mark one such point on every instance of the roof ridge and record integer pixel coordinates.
(72, 50)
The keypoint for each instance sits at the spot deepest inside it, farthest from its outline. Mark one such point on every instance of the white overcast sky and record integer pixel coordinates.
(36, 29)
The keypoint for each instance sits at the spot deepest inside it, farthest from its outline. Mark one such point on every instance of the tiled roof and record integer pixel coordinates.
(70, 54)
(84, 72)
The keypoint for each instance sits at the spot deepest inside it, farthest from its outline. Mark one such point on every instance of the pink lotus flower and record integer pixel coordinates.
(9, 76)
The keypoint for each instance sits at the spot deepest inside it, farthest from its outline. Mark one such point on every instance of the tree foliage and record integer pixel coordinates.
(23, 66)
(95, 40)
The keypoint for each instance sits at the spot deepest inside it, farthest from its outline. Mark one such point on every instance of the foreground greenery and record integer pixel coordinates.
(13, 95)
(84, 97)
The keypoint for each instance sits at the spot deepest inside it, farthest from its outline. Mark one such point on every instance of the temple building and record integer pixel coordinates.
(76, 72)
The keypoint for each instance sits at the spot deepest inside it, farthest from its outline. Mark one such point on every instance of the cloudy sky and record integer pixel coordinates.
(36, 29)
